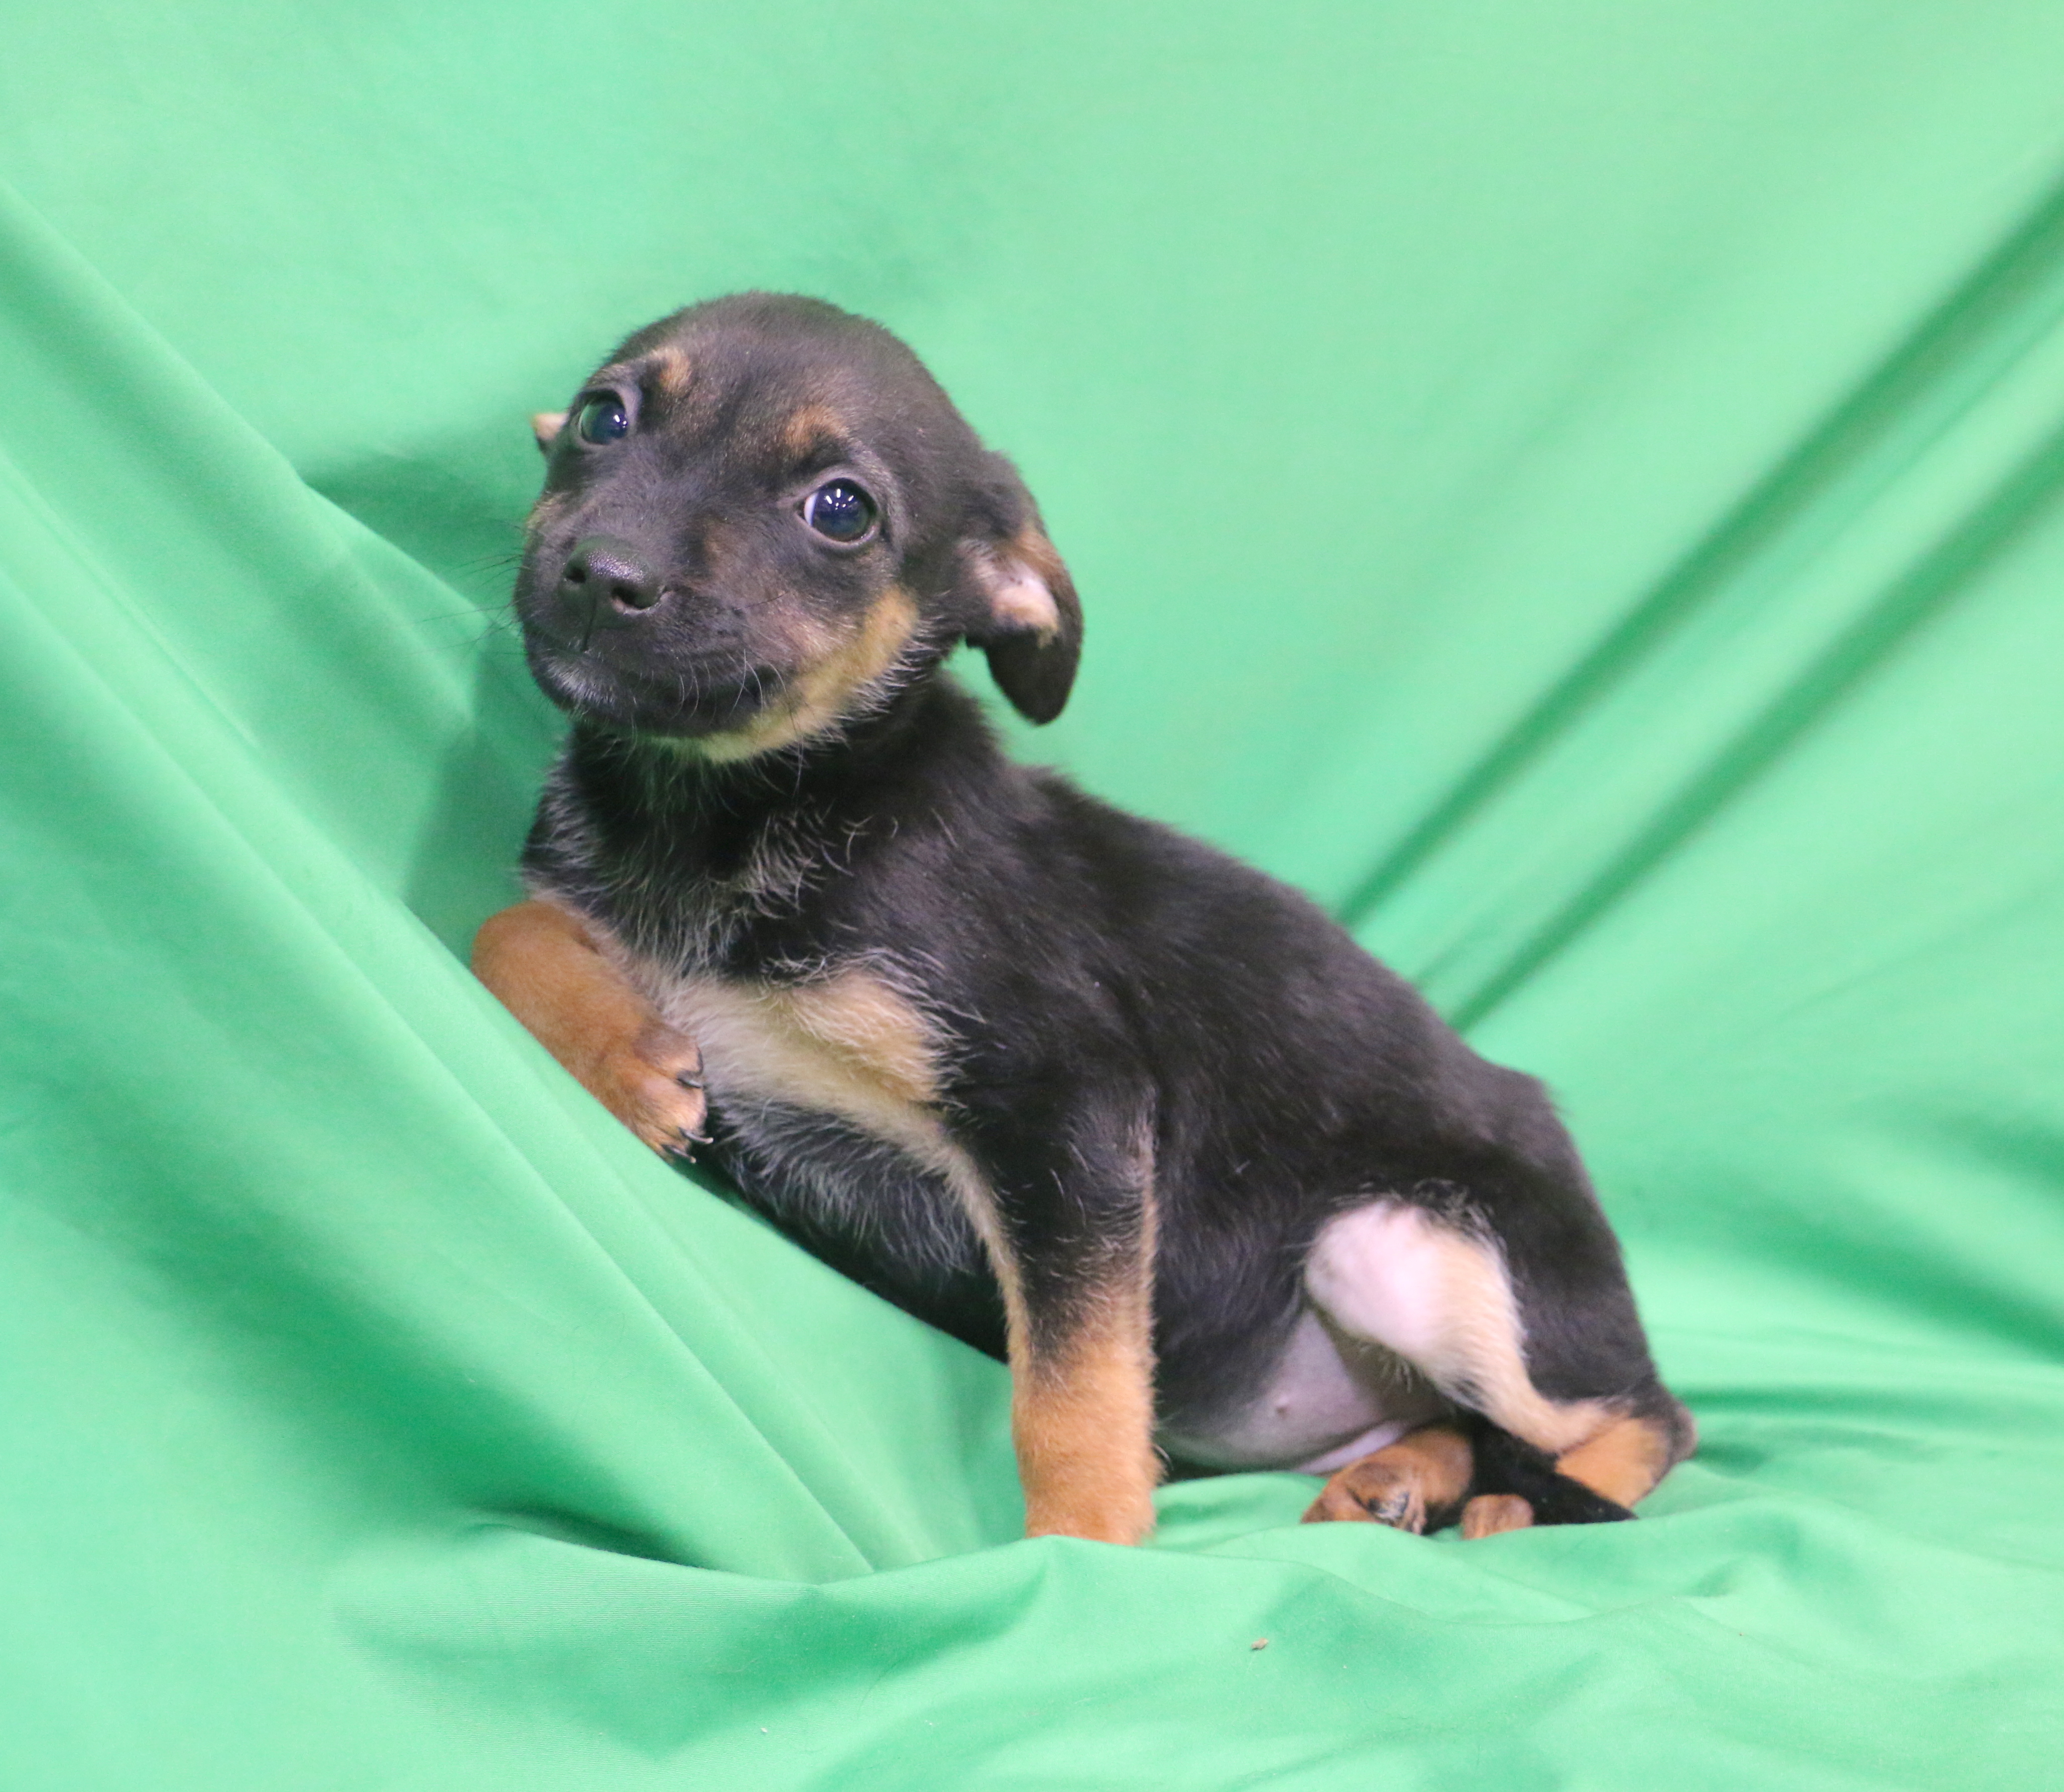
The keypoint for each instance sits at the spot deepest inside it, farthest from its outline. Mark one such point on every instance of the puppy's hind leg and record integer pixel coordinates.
(1624, 1461)
(1438, 1293)
(543, 963)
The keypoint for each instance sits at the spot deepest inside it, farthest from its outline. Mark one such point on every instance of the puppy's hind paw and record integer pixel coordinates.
(1414, 1484)
(1488, 1514)
(1371, 1493)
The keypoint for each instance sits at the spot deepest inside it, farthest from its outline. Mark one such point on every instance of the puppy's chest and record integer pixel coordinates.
(761, 898)
(847, 1044)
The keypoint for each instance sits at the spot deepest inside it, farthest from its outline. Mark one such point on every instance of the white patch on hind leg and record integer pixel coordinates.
(1394, 1275)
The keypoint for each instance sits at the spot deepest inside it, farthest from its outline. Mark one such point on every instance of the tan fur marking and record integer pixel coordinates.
(829, 687)
(672, 371)
(1402, 1485)
(1623, 1462)
(546, 424)
(1019, 596)
(1082, 1417)
(547, 969)
(849, 1045)
(847, 1042)
(813, 426)
(1489, 1514)
(1033, 548)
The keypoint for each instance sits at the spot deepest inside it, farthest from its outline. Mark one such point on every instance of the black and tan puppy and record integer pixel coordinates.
(1086, 1093)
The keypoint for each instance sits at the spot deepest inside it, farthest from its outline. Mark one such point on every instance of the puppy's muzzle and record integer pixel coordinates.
(606, 583)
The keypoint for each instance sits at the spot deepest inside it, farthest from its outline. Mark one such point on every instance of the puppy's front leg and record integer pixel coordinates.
(1071, 1233)
(1082, 1420)
(543, 962)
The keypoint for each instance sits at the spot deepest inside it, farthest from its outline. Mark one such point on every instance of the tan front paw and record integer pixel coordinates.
(656, 1088)
(1127, 1518)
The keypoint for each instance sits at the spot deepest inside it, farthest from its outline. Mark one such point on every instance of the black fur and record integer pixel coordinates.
(1505, 1464)
(1123, 1004)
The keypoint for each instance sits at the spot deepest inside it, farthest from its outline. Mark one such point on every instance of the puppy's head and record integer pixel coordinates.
(761, 519)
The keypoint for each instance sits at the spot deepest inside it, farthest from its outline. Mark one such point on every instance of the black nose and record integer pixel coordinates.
(603, 570)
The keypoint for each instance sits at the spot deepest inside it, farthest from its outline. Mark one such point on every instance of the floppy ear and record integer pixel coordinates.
(1021, 604)
(546, 424)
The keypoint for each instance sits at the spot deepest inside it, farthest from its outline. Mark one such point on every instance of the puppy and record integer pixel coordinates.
(1092, 1096)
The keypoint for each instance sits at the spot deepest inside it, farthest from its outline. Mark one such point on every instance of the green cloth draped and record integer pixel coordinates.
(1577, 487)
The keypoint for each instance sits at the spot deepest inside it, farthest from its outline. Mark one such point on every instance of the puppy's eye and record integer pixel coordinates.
(602, 419)
(840, 511)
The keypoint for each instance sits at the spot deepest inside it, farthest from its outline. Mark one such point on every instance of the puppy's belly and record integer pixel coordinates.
(1328, 1400)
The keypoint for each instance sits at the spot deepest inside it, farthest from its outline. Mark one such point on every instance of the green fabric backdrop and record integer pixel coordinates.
(1576, 487)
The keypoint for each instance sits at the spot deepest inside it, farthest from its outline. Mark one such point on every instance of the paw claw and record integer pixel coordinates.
(653, 1084)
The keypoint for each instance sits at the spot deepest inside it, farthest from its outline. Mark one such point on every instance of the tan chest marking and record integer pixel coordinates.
(851, 1045)
(848, 1045)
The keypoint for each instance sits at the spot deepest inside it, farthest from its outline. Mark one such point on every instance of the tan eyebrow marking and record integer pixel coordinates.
(814, 426)
(672, 370)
